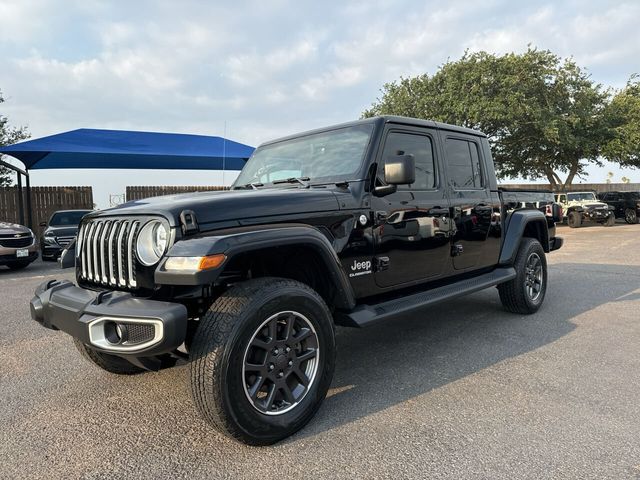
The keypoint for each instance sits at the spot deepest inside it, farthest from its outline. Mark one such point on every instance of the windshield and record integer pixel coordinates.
(67, 218)
(582, 196)
(326, 156)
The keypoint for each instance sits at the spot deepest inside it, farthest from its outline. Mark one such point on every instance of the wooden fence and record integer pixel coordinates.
(140, 192)
(44, 201)
(581, 187)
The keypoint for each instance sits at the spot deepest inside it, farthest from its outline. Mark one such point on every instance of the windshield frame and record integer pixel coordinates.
(594, 199)
(357, 175)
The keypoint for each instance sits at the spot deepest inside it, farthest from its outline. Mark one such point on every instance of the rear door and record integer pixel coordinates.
(474, 207)
(412, 227)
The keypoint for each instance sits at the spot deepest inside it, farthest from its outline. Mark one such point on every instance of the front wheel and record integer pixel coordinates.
(525, 293)
(574, 219)
(611, 220)
(631, 216)
(262, 359)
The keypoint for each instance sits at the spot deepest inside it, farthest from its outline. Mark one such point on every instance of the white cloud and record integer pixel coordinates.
(268, 68)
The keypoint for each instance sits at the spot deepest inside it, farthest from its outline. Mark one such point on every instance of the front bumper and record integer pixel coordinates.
(11, 259)
(51, 251)
(147, 327)
(595, 215)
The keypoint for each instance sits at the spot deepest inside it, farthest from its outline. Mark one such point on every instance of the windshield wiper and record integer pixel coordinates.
(253, 186)
(301, 180)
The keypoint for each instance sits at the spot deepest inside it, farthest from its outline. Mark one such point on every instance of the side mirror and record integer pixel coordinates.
(68, 256)
(43, 224)
(400, 170)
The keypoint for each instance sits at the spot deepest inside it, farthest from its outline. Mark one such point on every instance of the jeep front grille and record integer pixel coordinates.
(106, 251)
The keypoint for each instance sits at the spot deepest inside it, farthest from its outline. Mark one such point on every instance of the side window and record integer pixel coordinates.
(463, 164)
(563, 199)
(421, 148)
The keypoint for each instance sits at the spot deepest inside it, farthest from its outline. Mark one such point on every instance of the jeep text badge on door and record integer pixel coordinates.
(360, 268)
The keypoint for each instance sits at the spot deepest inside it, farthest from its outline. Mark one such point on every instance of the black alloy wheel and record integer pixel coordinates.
(631, 216)
(534, 277)
(281, 363)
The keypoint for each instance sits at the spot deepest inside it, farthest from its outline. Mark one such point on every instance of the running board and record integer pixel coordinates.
(365, 315)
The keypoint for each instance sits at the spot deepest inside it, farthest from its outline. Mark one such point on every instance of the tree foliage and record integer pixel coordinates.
(8, 136)
(544, 116)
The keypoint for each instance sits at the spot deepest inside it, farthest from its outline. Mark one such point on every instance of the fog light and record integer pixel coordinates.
(123, 332)
(116, 333)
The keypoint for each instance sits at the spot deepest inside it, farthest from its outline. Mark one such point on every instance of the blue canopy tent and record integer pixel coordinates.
(90, 148)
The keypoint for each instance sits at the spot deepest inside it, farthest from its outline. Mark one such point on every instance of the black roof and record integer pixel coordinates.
(385, 119)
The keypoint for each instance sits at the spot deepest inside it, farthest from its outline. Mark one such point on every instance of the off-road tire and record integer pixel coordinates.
(574, 219)
(105, 361)
(513, 294)
(218, 353)
(630, 216)
(610, 221)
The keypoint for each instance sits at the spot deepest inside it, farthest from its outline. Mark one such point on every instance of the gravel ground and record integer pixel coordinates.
(464, 390)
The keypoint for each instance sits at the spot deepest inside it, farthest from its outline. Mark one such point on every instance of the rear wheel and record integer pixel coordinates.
(263, 359)
(574, 219)
(105, 361)
(525, 293)
(631, 216)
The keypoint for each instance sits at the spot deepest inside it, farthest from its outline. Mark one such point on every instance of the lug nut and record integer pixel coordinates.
(290, 362)
(276, 351)
(271, 366)
(280, 375)
(288, 349)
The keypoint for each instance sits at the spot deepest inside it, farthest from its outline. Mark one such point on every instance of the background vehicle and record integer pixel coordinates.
(61, 230)
(580, 207)
(17, 246)
(625, 204)
(352, 224)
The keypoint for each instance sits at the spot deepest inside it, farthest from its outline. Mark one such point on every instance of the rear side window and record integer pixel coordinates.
(463, 164)
(421, 148)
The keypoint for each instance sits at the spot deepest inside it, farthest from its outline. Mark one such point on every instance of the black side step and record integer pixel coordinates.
(365, 315)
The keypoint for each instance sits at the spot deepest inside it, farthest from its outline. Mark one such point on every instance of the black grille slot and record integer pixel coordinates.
(139, 333)
(16, 242)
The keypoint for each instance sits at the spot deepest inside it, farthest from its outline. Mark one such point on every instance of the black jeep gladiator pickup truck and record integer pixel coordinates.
(352, 224)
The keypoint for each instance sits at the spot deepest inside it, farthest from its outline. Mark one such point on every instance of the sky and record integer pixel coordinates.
(258, 70)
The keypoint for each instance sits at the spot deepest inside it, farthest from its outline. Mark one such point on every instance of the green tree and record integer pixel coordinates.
(623, 115)
(544, 116)
(8, 136)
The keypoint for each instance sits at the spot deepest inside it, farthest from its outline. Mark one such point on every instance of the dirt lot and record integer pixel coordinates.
(465, 390)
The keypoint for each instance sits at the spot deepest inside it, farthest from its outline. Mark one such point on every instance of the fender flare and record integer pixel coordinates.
(514, 232)
(232, 243)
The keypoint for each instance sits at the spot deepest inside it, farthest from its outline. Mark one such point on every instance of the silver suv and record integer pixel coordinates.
(580, 207)
(17, 246)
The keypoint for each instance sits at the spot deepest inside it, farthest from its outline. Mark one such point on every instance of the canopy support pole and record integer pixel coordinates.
(29, 212)
(20, 203)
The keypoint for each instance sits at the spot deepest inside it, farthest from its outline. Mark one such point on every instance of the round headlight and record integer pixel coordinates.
(152, 242)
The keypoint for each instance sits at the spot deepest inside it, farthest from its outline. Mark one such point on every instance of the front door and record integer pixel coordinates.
(412, 225)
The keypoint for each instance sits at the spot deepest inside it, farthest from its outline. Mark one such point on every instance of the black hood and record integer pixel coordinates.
(61, 230)
(221, 206)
